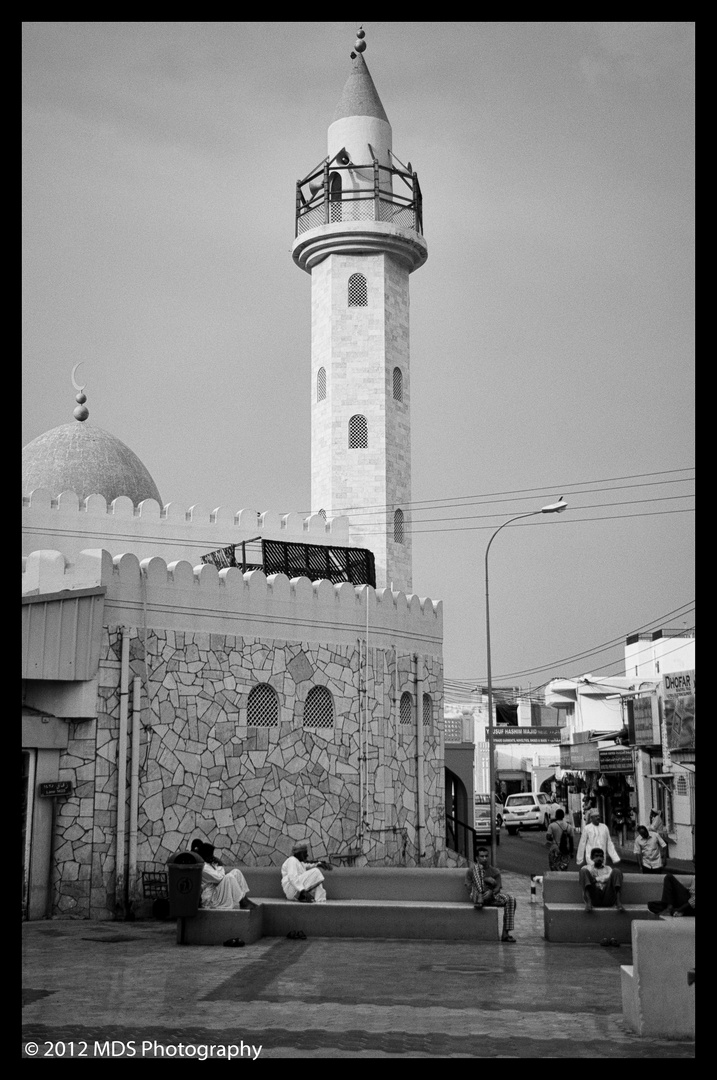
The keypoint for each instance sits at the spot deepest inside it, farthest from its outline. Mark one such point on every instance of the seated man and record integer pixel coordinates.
(220, 890)
(601, 884)
(301, 880)
(484, 884)
(677, 899)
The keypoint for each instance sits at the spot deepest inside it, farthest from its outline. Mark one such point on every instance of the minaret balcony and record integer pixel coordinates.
(338, 193)
(352, 209)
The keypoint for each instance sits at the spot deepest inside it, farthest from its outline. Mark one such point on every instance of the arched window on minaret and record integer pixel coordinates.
(321, 384)
(397, 384)
(358, 295)
(335, 196)
(358, 433)
(398, 527)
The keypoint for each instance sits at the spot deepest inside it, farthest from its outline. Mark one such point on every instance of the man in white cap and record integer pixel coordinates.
(301, 880)
(595, 835)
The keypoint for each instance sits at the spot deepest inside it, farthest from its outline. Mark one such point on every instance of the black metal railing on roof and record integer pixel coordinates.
(322, 198)
(315, 561)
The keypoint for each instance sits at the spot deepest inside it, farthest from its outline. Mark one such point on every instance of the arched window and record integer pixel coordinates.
(406, 708)
(358, 433)
(358, 296)
(427, 712)
(335, 196)
(319, 708)
(397, 384)
(321, 384)
(398, 527)
(263, 707)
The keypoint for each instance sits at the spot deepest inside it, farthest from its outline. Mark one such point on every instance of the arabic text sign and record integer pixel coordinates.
(616, 761)
(647, 721)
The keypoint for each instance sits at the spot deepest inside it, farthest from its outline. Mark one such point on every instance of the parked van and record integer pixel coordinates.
(528, 810)
(481, 818)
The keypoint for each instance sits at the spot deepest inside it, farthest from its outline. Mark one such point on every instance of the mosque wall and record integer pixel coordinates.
(199, 641)
(173, 531)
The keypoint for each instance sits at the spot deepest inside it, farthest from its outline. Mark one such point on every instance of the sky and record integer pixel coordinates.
(552, 327)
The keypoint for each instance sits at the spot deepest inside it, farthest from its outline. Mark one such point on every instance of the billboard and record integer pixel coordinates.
(646, 719)
(526, 734)
(616, 761)
(678, 705)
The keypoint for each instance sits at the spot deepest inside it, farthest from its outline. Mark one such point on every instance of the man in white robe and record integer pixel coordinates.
(595, 835)
(301, 880)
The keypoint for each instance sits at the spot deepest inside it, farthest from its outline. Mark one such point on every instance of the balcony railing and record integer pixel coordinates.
(322, 198)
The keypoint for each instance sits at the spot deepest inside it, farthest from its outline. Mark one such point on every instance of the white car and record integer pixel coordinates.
(528, 810)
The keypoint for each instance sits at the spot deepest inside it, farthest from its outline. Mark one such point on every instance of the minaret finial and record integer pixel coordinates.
(359, 44)
(81, 412)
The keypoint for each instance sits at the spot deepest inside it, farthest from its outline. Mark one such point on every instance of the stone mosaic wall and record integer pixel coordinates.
(251, 791)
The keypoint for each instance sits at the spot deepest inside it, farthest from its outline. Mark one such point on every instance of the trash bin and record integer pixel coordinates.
(184, 884)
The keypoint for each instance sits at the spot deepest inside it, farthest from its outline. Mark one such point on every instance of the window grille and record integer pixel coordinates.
(358, 295)
(321, 384)
(453, 729)
(263, 707)
(358, 433)
(406, 709)
(398, 527)
(397, 384)
(681, 786)
(427, 711)
(319, 708)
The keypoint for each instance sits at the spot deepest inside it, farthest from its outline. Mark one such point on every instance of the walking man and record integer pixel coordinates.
(595, 834)
(484, 884)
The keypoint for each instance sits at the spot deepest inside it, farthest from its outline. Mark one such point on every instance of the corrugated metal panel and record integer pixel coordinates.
(61, 636)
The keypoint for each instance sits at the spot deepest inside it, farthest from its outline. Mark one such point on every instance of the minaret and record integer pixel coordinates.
(359, 235)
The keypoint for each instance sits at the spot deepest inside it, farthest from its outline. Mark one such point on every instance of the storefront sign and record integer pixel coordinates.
(56, 788)
(619, 760)
(583, 756)
(526, 734)
(678, 698)
(647, 720)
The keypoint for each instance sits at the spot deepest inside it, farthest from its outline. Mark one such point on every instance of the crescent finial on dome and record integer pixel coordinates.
(81, 412)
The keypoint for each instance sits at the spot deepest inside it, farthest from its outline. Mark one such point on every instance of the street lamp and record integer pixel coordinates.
(552, 508)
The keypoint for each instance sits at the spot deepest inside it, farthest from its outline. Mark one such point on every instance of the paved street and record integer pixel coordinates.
(93, 988)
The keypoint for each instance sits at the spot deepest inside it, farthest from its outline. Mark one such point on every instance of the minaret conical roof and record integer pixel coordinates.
(360, 97)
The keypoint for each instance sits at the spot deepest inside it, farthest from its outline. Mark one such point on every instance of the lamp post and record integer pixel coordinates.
(552, 508)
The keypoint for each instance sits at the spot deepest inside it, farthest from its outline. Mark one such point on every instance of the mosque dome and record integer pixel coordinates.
(87, 460)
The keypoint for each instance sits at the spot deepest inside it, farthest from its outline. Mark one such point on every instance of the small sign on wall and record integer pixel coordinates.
(55, 789)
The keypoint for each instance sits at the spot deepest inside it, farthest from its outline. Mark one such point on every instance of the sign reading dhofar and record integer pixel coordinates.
(526, 734)
(619, 760)
(678, 702)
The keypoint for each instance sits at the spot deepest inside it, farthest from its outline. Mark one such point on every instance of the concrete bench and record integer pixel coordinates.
(366, 902)
(658, 997)
(565, 918)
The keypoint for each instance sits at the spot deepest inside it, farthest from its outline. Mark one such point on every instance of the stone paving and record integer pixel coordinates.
(100, 989)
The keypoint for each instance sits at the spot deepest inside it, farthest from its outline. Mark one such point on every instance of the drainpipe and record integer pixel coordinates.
(120, 868)
(420, 802)
(360, 750)
(134, 793)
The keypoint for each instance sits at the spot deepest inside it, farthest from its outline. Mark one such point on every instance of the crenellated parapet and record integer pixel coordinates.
(180, 596)
(171, 531)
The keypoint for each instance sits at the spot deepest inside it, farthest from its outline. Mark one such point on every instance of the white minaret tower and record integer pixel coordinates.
(359, 235)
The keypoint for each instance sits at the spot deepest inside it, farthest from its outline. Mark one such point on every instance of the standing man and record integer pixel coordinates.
(596, 835)
(301, 880)
(560, 843)
(601, 884)
(651, 851)
(484, 884)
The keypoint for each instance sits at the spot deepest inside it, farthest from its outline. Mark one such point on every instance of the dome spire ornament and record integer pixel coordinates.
(359, 44)
(81, 412)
